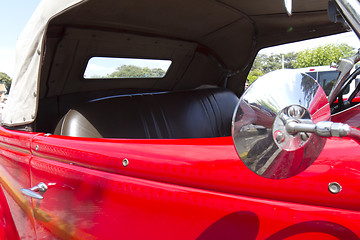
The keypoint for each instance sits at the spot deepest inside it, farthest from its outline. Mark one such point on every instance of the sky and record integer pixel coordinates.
(349, 38)
(16, 13)
(13, 18)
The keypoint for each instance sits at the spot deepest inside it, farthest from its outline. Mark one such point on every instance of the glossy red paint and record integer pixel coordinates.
(178, 189)
(15, 159)
(184, 189)
(320, 108)
(356, 99)
(93, 204)
(212, 164)
(349, 116)
(7, 225)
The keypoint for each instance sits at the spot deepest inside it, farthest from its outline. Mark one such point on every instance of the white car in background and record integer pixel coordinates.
(326, 76)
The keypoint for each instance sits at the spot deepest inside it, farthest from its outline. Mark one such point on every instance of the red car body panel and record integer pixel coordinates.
(349, 116)
(211, 164)
(183, 189)
(82, 203)
(194, 188)
(15, 159)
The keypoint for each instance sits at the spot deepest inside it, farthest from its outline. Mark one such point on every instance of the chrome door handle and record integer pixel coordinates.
(32, 192)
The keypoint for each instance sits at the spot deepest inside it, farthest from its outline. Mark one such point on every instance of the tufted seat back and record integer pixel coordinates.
(199, 113)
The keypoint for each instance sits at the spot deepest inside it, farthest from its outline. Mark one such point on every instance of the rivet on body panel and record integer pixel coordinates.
(334, 187)
(37, 148)
(125, 162)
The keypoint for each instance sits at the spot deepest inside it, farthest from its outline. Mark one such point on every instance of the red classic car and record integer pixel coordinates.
(94, 147)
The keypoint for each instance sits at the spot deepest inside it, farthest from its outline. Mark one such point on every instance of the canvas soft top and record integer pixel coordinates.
(21, 106)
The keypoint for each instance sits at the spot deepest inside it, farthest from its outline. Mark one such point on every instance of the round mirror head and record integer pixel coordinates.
(258, 127)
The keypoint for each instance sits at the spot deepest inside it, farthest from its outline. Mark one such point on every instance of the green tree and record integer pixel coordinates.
(323, 55)
(158, 72)
(126, 71)
(266, 63)
(131, 71)
(253, 75)
(4, 78)
(272, 62)
(259, 62)
(290, 60)
(320, 56)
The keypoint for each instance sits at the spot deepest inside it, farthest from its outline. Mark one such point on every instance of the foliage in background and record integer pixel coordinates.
(131, 71)
(4, 78)
(266, 63)
(319, 56)
(253, 75)
(323, 55)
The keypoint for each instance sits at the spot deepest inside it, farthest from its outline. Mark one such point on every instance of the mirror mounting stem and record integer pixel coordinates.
(323, 128)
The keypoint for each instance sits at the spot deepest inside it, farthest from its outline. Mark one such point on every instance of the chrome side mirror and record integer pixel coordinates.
(265, 125)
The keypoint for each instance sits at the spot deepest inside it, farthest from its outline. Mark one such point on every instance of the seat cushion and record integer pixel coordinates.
(199, 113)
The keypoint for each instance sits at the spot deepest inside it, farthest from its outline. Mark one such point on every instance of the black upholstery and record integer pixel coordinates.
(189, 114)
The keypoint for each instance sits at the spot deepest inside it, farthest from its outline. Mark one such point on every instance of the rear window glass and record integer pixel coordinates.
(313, 75)
(327, 80)
(110, 68)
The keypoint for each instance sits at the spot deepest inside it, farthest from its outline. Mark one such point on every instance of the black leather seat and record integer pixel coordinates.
(188, 114)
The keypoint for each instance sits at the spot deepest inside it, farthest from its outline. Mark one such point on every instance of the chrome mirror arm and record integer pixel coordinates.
(323, 128)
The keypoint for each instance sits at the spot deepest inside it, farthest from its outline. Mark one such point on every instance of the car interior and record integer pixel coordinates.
(211, 45)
